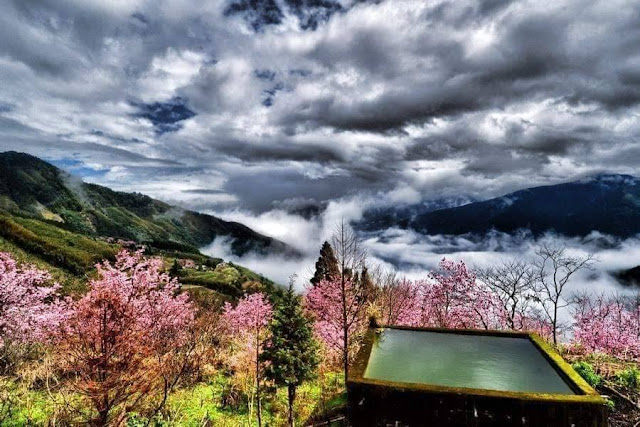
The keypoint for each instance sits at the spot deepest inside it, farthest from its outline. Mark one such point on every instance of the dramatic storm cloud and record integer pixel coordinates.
(265, 108)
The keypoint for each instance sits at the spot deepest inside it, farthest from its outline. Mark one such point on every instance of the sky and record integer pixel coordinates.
(289, 115)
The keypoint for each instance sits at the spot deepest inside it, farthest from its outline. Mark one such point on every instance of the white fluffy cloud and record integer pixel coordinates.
(426, 99)
(250, 108)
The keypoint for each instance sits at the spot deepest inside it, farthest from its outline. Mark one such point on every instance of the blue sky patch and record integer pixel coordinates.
(76, 167)
(165, 116)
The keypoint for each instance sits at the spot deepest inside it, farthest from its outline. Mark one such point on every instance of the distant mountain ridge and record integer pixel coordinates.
(32, 187)
(383, 217)
(608, 203)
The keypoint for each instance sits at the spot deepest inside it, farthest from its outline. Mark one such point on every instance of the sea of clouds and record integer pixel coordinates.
(413, 254)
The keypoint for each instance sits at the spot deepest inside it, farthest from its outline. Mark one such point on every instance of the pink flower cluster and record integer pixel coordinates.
(450, 297)
(337, 305)
(607, 325)
(249, 319)
(134, 294)
(29, 309)
(453, 299)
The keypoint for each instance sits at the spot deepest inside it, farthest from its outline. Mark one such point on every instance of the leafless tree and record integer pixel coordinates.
(380, 278)
(348, 250)
(351, 260)
(512, 281)
(553, 269)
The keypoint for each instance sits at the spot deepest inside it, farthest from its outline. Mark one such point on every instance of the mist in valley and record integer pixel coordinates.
(413, 255)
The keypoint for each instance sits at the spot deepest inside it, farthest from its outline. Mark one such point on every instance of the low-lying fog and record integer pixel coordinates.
(413, 254)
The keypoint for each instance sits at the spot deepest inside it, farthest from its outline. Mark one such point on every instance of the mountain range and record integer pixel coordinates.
(71, 224)
(607, 203)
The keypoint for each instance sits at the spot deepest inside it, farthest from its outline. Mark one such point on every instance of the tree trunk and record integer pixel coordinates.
(555, 323)
(345, 330)
(292, 398)
(258, 407)
(103, 411)
(103, 418)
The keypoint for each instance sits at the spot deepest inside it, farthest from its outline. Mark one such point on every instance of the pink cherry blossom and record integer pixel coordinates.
(120, 339)
(29, 309)
(339, 310)
(248, 322)
(607, 325)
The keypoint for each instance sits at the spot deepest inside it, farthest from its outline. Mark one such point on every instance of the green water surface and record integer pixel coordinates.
(458, 360)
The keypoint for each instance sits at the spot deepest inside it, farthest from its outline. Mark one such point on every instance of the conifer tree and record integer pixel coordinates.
(367, 284)
(175, 269)
(292, 352)
(326, 266)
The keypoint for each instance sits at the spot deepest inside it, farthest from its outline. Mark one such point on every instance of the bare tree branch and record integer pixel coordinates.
(553, 270)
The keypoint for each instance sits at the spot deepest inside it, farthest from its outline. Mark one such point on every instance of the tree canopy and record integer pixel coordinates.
(326, 266)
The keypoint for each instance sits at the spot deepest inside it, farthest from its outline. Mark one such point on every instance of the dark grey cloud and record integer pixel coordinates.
(308, 208)
(281, 152)
(529, 62)
(202, 191)
(298, 105)
(312, 13)
(266, 189)
(258, 13)
(261, 14)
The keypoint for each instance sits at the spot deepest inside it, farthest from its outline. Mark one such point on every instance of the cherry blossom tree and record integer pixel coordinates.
(399, 302)
(453, 298)
(344, 296)
(450, 297)
(122, 338)
(536, 322)
(29, 308)
(339, 311)
(607, 324)
(249, 323)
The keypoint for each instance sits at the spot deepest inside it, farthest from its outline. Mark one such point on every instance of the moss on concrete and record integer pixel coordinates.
(585, 404)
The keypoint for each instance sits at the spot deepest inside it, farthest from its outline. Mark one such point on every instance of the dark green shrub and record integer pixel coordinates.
(223, 288)
(231, 396)
(629, 377)
(586, 371)
(611, 404)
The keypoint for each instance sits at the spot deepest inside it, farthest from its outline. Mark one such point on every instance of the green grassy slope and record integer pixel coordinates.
(71, 257)
(65, 226)
(72, 252)
(69, 282)
(30, 187)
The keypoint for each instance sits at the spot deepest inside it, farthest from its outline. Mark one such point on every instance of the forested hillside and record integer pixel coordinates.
(56, 222)
(30, 187)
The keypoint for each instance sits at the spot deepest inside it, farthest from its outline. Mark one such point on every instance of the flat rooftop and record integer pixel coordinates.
(501, 363)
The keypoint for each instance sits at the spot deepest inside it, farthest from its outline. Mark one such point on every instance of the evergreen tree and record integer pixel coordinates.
(367, 284)
(326, 266)
(292, 351)
(175, 269)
